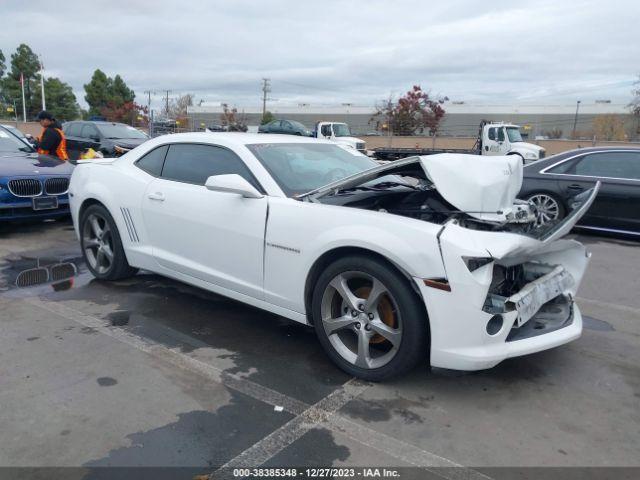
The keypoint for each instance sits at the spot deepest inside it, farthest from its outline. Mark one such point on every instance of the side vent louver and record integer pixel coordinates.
(131, 228)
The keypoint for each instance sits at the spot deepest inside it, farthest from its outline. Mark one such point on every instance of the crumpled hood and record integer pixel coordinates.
(485, 187)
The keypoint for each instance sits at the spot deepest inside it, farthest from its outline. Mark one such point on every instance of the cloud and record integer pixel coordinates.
(336, 51)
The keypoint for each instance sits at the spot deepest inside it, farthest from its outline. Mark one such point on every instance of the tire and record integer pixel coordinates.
(544, 202)
(94, 240)
(398, 312)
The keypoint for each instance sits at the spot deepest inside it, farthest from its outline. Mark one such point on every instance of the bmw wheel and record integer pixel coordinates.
(368, 319)
(548, 208)
(101, 245)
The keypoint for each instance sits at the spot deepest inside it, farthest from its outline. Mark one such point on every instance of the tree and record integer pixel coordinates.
(267, 117)
(61, 101)
(634, 106)
(3, 66)
(127, 112)
(106, 92)
(232, 120)
(24, 61)
(553, 133)
(178, 106)
(413, 113)
(120, 93)
(609, 127)
(98, 92)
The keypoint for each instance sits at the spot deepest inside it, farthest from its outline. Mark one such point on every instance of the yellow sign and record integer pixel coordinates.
(9, 109)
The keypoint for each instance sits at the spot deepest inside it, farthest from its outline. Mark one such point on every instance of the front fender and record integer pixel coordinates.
(299, 233)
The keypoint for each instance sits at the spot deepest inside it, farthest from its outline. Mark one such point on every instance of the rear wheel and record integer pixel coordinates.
(368, 319)
(101, 245)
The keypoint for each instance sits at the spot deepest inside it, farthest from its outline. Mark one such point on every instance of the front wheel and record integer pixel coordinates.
(548, 207)
(101, 245)
(368, 319)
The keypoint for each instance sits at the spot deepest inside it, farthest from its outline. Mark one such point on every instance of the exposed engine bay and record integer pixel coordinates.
(418, 198)
(476, 193)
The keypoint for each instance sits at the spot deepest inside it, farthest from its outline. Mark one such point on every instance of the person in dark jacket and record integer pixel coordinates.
(51, 141)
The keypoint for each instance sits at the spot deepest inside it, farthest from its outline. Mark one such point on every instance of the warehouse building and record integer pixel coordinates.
(461, 119)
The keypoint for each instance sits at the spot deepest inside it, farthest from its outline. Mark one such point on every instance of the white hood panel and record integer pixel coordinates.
(482, 186)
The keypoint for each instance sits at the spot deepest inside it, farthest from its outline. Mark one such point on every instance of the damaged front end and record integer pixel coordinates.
(510, 284)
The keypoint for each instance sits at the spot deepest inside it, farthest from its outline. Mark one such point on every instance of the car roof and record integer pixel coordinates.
(237, 138)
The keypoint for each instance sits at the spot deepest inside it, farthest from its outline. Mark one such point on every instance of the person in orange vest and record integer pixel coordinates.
(51, 141)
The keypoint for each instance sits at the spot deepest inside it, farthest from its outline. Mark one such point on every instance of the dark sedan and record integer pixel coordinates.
(550, 185)
(32, 186)
(109, 138)
(287, 127)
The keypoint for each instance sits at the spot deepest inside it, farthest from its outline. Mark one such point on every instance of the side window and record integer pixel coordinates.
(275, 125)
(609, 164)
(326, 130)
(152, 162)
(492, 134)
(195, 163)
(500, 134)
(287, 126)
(89, 131)
(73, 130)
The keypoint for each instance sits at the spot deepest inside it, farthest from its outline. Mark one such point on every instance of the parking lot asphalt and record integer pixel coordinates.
(152, 372)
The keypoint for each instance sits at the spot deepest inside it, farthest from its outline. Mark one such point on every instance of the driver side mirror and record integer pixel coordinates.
(232, 183)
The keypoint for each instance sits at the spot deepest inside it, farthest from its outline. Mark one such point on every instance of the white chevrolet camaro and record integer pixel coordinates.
(426, 259)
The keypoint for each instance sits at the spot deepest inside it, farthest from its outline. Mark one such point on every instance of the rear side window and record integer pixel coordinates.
(492, 134)
(609, 164)
(195, 163)
(565, 167)
(152, 161)
(73, 129)
(89, 131)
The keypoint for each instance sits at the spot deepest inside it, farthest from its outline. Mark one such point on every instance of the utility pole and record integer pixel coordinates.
(166, 108)
(266, 88)
(44, 105)
(575, 119)
(149, 126)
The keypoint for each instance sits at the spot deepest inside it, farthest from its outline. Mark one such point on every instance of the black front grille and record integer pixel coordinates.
(56, 186)
(360, 146)
(25, 187)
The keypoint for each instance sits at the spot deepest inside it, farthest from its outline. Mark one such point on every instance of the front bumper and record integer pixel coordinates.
(22, 209)
(534, 318)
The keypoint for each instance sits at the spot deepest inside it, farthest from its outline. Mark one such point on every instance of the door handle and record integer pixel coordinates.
(576, 187)
(156, 196)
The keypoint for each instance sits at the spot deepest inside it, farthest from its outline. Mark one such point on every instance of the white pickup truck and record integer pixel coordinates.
(494, 138)
(339, 133)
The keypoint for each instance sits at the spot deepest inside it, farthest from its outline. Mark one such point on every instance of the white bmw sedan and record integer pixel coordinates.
(426, 259)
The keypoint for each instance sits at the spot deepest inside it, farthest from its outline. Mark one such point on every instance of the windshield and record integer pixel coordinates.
(301, 167)
(9, 143)
(118, 130)
(514, 134)
(341, 130)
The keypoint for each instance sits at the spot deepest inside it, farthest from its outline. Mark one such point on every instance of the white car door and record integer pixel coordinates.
(217, 237)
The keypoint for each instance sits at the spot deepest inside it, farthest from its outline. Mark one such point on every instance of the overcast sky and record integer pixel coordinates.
(329, 52)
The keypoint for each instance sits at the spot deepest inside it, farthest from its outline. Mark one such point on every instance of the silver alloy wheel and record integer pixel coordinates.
(547, 208)
(97, 242)
(361, 319)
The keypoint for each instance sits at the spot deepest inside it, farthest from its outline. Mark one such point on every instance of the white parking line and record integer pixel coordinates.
(323, 413)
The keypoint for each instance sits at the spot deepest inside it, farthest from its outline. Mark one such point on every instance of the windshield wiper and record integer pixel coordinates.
(385, 185)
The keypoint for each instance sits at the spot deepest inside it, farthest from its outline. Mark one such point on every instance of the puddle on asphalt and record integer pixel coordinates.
(591, 323)
(26, 275)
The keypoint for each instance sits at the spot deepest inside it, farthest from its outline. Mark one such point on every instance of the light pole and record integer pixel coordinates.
(575, 119)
